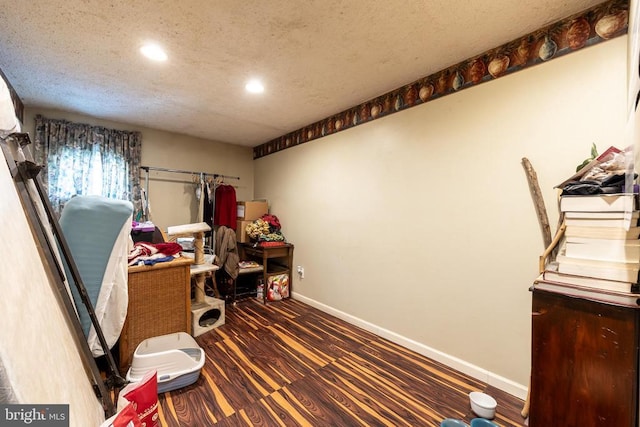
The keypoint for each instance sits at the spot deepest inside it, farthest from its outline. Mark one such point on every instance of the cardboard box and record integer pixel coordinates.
(250, 211)
(241, 232)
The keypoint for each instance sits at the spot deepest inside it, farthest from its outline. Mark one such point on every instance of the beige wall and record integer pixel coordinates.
(171, 196)
(420, 226)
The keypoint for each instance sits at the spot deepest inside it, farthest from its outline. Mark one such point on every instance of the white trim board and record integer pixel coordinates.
(504, 384)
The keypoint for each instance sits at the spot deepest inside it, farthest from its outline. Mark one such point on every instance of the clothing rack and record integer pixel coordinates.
(202, 176)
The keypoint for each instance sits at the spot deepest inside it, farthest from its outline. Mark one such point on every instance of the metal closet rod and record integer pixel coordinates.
(215, 175)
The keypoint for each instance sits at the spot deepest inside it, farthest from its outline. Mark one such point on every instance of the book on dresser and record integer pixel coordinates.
(601, 219)
(600, 250)
(601, 227)
(554, 276)
(609, 233)
(621, 202)
(618, 271)
(630, 299)
(617, 250)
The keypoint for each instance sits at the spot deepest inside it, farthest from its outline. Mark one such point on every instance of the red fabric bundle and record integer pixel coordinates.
(272, 220)
(146, 251)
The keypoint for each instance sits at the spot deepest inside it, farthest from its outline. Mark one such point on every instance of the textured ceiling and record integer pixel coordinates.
(316, 57)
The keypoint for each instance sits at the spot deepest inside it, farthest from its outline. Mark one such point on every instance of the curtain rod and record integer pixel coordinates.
(215, 175)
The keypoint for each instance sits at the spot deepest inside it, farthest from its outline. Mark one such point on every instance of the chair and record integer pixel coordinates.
(97, 232)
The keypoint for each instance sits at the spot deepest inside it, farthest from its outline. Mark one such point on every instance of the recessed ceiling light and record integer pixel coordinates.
(153, 52)
(254, 86)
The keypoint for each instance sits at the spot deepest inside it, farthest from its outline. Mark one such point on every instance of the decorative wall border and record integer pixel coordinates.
(600, 23)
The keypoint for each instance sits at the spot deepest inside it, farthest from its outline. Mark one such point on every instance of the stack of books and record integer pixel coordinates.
(601, 248)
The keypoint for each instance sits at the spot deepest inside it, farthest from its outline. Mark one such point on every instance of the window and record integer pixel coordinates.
(87, 160)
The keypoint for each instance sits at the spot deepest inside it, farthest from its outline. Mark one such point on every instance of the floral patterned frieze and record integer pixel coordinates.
(600, 23)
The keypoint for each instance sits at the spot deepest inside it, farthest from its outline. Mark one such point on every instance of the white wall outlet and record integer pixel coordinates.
(301, 271)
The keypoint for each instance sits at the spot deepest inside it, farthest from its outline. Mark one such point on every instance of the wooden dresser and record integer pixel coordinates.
(159, 304)
(585, 356)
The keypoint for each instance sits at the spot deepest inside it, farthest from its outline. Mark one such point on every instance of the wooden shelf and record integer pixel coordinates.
(203, 268)
(274, 260)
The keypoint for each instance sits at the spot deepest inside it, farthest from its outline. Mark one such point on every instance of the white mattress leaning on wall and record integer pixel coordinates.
(40, 361)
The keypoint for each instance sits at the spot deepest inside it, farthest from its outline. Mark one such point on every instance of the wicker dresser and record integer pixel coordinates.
(159, 304)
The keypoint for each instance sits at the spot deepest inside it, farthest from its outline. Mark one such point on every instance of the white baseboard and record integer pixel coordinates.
(467, 368)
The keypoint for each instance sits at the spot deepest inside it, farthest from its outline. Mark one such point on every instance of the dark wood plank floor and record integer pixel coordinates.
(289, 364)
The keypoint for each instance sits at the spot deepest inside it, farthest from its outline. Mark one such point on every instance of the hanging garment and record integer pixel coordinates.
(207, 209)
(226, 209)
(227, 251)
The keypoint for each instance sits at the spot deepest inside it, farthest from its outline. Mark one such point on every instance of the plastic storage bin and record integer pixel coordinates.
(176, 357)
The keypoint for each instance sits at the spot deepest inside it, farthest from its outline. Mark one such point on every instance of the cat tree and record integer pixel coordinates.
(207, 312)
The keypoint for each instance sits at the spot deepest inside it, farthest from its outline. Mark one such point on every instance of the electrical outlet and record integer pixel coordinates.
(301, 271)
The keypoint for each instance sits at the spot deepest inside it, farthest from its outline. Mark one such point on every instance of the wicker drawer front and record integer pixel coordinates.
(158, 304)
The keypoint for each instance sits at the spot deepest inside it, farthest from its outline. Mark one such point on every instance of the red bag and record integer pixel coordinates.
(144, 397)
(127, 418)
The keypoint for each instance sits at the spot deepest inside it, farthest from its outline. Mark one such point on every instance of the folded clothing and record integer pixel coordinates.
(143, 226)
(150, 253)
(248, 264)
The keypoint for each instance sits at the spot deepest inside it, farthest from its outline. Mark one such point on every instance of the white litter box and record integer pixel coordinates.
(176, 357)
